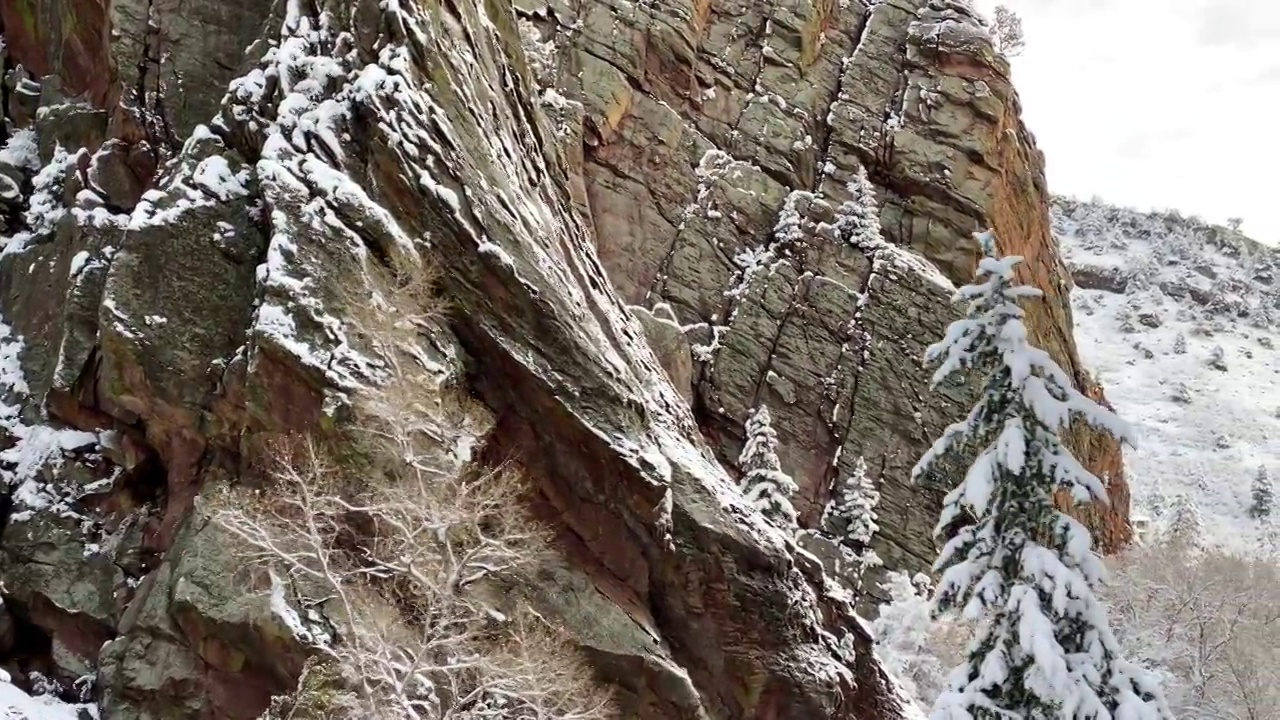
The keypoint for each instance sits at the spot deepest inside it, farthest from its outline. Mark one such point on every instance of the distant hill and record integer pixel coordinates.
(1178, 317)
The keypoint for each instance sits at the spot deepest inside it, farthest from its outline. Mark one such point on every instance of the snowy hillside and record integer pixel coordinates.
(1177, 318)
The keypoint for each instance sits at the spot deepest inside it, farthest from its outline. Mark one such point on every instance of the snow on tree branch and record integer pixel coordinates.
(1263, 495)
(1019, 567)
(851, 517)
(1006, 32)
(764, 483)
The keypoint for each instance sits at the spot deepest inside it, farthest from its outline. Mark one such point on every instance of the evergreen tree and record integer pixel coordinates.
(852, 511)
(763, 482)
(1184, 524)
(858, 219)
(1156, 500)
(1025, 570)
(1218, 358)
(851, 515)
(1263, 494)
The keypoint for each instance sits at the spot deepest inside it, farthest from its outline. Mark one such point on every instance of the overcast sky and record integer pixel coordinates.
(1158, 103)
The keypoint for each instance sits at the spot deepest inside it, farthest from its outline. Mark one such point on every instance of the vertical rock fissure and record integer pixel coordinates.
(761, 41)
(6, 67)
(826, 132)
(798, 295)
(862, 347)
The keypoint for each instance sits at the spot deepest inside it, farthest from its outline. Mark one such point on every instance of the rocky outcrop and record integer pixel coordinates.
(706, 124)
(193, 245)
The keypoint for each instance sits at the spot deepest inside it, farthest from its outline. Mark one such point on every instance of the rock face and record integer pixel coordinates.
(705, 123)
(192, 231)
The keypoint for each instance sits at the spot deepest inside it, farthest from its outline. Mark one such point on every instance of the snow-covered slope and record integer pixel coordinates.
(17, 705)
(1177, 319)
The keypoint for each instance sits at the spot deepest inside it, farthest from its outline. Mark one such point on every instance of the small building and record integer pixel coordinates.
(1141, 528)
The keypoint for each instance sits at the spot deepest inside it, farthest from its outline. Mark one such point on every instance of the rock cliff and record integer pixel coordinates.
(631, 205)
(693, 128)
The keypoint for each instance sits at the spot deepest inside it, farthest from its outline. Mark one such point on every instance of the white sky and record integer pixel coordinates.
(1157, 103)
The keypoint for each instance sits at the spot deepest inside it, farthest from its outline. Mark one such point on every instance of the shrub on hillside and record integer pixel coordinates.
(407, 557)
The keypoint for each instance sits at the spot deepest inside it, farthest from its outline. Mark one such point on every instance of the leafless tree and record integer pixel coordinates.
(1209, 621)
(400, 563)
(1006, 31)
(406, 559)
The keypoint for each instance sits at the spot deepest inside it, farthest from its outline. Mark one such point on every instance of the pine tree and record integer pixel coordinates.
(1184, 524)
(763, 482)
(1022, 568)
(858, 219)
(851, 516)
(1156, 500)
(1263, 494)
(1218, 358)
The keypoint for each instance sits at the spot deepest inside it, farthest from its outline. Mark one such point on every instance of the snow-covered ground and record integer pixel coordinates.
(1205, 422)
(17, 705)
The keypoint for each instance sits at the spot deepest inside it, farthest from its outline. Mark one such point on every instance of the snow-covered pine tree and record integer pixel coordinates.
(1156, 501)
(1263, 494)
(1218, 358)
(1025, 570)
(1184, 524)
(763, 483)
(858, 218)
(851, 515)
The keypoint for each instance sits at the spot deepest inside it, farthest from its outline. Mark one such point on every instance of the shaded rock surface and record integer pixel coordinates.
(191, 231)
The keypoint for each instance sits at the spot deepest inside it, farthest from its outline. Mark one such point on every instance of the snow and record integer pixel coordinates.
(12, 379)
(764, 484)
(21, 151)
(286, 276)
(540, 54)
(283, 611)
(275, 322)
(907, 636)
(44, 206)
(78, 262)
(1200, 432)
(33, 447)
(214, 176)
(17, 705)
(464, 447)
(210, 182)
(1022, 568)
(707, 353)
(338, 187)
